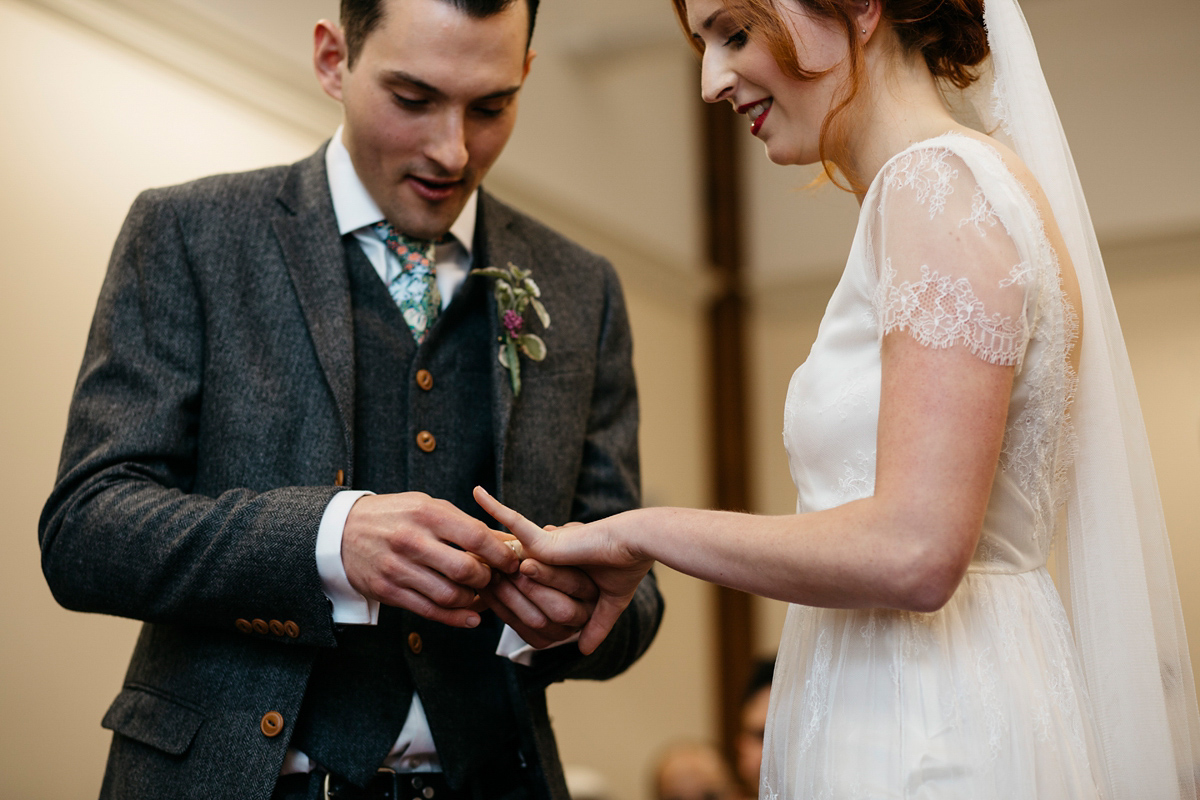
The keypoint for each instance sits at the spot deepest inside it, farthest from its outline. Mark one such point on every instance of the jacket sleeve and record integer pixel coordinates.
(609, 483)
(124, 531)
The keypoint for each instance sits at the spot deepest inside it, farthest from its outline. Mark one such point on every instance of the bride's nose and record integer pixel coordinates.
(717, 80)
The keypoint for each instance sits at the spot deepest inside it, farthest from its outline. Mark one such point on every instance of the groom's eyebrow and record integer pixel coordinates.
(400, 76)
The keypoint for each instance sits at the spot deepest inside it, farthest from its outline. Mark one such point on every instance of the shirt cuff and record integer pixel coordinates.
(349, 607)
(516, 650)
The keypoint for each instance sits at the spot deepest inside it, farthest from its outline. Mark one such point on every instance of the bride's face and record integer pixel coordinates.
(784, 112)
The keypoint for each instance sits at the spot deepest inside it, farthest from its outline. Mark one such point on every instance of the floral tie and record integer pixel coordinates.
(414, 285)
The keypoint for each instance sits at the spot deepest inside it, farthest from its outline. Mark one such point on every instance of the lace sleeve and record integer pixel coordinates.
(949, 272)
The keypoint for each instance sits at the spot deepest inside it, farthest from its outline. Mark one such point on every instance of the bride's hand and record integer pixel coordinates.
(614, 567)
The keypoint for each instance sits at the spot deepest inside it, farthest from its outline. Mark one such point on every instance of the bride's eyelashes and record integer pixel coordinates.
(738, 40)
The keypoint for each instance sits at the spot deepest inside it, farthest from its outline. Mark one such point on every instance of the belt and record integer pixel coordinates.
(385, 785)
(390, 785)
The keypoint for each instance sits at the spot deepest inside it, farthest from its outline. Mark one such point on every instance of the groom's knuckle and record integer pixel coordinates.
(444, 594)
(380, 587)
(459, 570)
(562, 613)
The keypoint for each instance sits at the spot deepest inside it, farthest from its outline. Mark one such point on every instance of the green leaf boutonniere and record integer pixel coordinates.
(515, 292)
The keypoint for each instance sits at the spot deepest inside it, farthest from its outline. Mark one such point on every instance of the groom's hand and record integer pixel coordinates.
(404, 550)
(544, 604)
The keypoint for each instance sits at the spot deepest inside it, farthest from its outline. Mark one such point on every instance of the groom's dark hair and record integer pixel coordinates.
(360, 17)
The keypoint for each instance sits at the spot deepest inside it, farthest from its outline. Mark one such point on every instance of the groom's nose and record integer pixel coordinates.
(448, 142)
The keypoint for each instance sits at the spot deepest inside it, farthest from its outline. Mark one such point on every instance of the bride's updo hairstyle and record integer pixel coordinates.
(949, 35)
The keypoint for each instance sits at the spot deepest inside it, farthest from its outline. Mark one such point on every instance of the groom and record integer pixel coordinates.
(290, 388)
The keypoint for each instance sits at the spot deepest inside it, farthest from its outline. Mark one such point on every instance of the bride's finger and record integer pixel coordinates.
(529, 534)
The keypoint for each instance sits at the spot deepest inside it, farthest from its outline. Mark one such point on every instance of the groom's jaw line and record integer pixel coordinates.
(757, 112)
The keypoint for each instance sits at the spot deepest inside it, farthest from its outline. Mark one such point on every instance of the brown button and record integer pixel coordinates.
(414, 643)
(426, 442)
(272, 724)
(260, 626)
(276, 627)
(339, 478)
(244, 626)
(425, 379)
(291, 629)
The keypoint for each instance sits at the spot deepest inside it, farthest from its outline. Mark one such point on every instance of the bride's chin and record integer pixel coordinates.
(789, 157)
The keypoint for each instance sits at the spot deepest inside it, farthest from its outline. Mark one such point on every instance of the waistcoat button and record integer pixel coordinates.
(414, 643)
(426, 442)
(272, 724)
(425, 379)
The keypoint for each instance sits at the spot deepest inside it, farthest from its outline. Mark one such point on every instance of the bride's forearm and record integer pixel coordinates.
(855, 556)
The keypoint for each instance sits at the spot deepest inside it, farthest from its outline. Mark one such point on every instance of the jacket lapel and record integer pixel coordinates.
(312, 249)
(496, 246)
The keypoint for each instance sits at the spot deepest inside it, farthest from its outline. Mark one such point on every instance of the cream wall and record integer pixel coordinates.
(86, 125)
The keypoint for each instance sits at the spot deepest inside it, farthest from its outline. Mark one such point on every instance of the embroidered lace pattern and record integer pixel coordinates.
(942, 311)
(928, 172)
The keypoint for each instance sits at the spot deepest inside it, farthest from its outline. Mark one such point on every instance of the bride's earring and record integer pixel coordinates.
(866, 8)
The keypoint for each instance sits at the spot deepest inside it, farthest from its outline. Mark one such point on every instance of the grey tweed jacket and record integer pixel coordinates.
(214, 408)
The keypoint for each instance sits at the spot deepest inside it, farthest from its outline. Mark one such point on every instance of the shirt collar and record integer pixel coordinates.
(355, 208)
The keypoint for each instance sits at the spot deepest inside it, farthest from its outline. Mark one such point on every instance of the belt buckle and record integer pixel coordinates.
(420, 789)
(393, 792)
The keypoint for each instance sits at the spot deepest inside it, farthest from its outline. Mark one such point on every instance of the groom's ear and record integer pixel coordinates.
(330, 57)
(530, 55)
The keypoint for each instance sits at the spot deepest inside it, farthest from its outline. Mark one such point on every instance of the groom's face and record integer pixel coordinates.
(429, 104)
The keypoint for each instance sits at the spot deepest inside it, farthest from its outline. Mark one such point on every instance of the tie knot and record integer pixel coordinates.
(411, 252)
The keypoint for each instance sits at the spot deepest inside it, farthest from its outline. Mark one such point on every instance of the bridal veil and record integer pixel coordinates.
(1114, 564)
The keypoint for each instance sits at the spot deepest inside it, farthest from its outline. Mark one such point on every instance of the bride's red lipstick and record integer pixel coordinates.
(757, 124)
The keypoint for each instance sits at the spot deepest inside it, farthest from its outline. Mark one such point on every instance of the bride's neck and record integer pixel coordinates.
(899, 105)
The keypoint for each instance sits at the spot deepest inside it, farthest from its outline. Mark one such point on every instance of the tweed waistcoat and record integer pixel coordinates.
(423, 422)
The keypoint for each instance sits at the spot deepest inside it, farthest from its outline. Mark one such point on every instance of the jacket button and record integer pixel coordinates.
(426, 442)
(339, 478)
(414, 643)
(244, 626)
(271, 724)
(291, 629)
(425, 379)
(260, 626)
(276, 627)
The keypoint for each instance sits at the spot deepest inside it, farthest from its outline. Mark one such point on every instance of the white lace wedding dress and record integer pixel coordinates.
(983, 698)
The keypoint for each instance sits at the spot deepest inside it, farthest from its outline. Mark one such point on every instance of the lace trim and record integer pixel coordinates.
(940, 311)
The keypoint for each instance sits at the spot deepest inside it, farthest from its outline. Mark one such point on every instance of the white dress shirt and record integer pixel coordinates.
(356, 212)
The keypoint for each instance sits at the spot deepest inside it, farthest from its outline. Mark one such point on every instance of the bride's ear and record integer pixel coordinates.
(867, 14)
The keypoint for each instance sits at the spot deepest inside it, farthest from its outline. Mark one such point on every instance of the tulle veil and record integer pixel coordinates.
(1113, 564)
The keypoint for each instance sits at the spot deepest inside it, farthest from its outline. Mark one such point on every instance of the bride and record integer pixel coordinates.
(967, 405)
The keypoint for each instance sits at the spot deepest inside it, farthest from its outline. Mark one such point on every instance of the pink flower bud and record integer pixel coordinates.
(513, 322)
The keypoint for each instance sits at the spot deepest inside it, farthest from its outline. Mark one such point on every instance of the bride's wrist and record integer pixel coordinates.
(629, 532)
